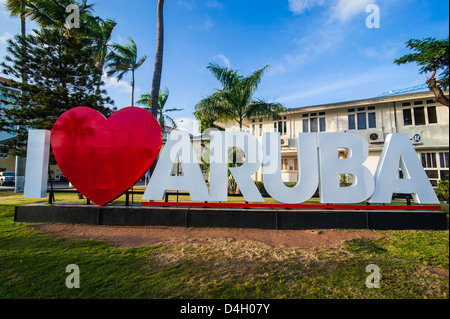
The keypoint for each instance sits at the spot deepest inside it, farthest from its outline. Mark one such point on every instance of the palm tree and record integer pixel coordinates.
(162, 112)
(50, 13)
(234, 101)
(157, 72)
(100, 32)
(123, 59)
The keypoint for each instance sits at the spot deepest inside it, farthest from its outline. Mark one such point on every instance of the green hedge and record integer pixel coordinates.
(442, 191)
(261, 187)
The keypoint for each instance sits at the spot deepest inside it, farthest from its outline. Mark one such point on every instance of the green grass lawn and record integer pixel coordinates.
(32, 265)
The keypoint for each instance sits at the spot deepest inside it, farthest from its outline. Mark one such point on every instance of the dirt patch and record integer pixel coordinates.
(128, 237)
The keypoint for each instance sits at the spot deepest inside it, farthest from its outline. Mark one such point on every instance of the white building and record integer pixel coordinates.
(426, 123)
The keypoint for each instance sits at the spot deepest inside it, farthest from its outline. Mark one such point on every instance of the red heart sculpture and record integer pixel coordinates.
(102, 158)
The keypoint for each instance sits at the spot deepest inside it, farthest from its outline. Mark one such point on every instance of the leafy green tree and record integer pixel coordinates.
(61, 73)
(52, 13)
(431, 55)
(123, 59)
(100, 31)
(162, 111)
(234, 102)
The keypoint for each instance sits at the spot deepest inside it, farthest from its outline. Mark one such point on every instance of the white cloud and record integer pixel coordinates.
(112, 84)
(188, 5)
(5, 37)
(313, 46)
(205, 24)
(346, 9)
(214, 4)
(224, 59)
(351, 81)
(300, 6)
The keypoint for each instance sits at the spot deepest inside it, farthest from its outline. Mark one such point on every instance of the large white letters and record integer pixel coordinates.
(221, 142)
(178, 145)
(36, 173)
(398, 153)
(331, 167)
(319, 164)
(308, 177)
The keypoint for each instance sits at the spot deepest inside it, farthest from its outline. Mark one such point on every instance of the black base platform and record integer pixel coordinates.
(270, 218)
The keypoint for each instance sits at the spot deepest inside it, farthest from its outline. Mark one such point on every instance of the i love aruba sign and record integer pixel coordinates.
(103, 158)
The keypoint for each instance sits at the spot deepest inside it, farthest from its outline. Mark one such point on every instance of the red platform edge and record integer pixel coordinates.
(299, 206)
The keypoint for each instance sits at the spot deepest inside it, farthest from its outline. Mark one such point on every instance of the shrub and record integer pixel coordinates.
(261, 187)
(442, 191)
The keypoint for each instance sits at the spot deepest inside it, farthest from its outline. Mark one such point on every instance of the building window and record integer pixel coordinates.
(285, 164)
(432, 116)
(316, 123)
(313, 124)
(444, 163)
(281, 127)
(260, 130)
(351, 122)
(253, 129)
(443, 157)
(407, 117)
(429, 160)
(305, 126)
(361, 119)
(418, 116)
(322, 124)
(436, 166)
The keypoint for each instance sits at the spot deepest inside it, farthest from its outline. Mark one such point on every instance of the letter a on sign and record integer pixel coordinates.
(398, 153)
(178, 146)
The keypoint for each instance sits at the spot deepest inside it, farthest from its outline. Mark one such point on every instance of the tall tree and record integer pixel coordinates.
(52, 13)
(157, 72)
(234, 102)
(100, 31)
(162, 111)
(61, 73)
(55, 13)
(123, 59)
(17, 8)
(431, 55)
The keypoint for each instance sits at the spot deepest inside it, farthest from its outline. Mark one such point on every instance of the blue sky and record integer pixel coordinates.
(319, 51)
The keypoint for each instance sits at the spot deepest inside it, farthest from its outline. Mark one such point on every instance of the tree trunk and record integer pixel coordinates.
(20, 161)
(439, 96)
(157, 72)
(158, 60)
(132, 88)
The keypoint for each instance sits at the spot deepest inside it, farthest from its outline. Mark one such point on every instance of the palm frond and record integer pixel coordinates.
(227, 77)
(261, 108)
(141, 61)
